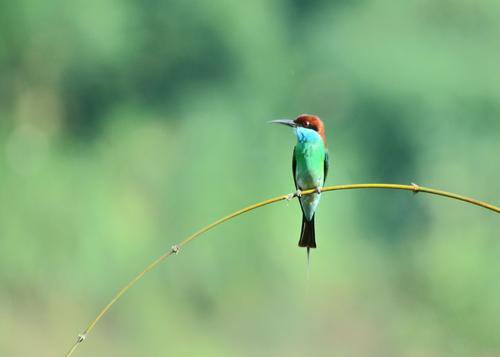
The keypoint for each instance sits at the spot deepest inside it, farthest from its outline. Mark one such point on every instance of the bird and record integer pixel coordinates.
(309, 168)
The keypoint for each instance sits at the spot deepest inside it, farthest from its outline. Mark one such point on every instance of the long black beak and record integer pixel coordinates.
(284, 122)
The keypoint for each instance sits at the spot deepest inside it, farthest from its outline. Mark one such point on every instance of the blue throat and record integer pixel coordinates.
(305, 135)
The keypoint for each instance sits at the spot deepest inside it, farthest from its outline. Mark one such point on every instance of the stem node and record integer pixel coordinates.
(175, 249)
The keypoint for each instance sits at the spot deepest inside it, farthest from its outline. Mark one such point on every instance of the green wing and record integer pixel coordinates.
(326, 166)
(294, 168)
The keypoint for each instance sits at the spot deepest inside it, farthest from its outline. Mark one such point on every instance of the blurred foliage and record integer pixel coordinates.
(126, 125)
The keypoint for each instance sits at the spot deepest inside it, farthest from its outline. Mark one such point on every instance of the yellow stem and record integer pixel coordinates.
(175, 249)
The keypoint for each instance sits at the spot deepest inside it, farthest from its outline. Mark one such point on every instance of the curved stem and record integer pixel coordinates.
(175, 249)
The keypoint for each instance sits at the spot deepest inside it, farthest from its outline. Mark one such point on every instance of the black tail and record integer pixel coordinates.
(307, 236)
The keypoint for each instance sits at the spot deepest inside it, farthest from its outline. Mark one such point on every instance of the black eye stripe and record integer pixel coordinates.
(307, 124)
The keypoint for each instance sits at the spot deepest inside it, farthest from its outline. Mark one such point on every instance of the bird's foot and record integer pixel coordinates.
(291, 196)
(318, 190)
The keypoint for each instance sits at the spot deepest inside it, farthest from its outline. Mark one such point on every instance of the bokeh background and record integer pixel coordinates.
(127, 125)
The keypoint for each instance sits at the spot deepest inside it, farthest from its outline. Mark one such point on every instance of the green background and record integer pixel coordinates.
(127, 125)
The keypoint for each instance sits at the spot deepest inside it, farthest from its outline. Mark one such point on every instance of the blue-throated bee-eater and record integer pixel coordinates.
(309, 167)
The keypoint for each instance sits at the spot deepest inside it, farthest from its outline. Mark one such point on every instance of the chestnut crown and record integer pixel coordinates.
(311, 122)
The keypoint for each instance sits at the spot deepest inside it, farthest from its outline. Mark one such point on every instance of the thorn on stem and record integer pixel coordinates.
(81, 337)
(175, 249)
(416, 188)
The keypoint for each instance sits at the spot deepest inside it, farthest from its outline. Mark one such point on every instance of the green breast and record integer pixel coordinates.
(309, 160)
(309, 173)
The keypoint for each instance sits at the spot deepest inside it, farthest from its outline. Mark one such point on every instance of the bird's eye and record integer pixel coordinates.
(307, 123)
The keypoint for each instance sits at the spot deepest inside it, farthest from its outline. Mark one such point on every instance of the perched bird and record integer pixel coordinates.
(309, 167)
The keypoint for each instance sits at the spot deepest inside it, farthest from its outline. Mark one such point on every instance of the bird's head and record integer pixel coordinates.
(306, 121)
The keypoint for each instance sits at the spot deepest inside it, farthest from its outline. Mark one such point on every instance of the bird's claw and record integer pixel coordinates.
(291, 196)
(318, 190)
